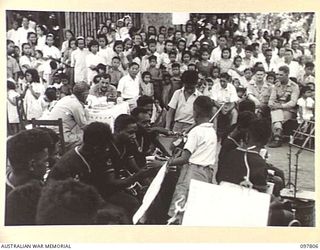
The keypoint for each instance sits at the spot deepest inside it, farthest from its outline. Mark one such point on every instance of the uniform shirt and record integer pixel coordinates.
(270, 66)
(72, 112)
(224, 95)
(259, 96)
(13, 35)
(202, 144)
(129, 87)
(234, 52)
(183, 107)
(28, 61)
(287, 95)
(23, 34)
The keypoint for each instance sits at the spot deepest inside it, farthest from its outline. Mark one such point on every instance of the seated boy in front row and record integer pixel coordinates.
(199, 153)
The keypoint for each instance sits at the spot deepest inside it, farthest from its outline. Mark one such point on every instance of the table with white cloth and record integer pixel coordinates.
(107, 112)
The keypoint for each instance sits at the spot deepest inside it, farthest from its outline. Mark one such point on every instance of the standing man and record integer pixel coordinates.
(283, 99)
(181, 104)
(12, 65)
(78, 61)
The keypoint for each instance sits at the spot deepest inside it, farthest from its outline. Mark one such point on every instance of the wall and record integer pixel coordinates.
(156, 19)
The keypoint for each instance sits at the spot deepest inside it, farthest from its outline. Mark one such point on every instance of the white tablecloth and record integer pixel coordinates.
(108, 115)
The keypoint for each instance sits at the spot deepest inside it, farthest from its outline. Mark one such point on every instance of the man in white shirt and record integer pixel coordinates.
(181, 104)
(216, 53)
(296, 70)
(129, 84)
(23, 31)
(295, 49)
(268, 63)
(224, 93)
(238, 50)
(78, 61)
(13, 34)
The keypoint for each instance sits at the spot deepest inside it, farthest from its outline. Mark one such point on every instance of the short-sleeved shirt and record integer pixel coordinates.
(202, 144)
(96, 91)
(232, 168)
(183, 107)
(73, 117)
(12, 67)
(262, 94)
(93, 172)
(285, 94)
(307, 105)
(224, 95)
(129, 87)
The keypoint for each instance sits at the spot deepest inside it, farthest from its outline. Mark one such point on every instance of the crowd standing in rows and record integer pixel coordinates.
(173, 80)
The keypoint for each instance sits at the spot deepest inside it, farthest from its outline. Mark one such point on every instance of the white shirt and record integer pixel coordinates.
(183, 108)
(23, 34)
(295, 69)
(24, 60)
(270, 67)
(129, 87)
(215, 55)
(234, 52)
(32, 105)
(224, 95)
(78, 61)
(307, 105)
(41, 42)
(107, 54)
(202, 144)
(12, 109)
(13, 35)
(92, 59)
(145, 61)
(52, 51)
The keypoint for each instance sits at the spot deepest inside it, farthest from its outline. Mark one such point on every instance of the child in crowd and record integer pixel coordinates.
(33, 92)
(225, 63)
(215, 75)
(115, 73)
(13, 118)
(204, 66)
(309, 74)
(271, 77)
(166, 89)
(146, 86)
(186, 58)
(199, 154)
(306, 105)
(176, 77)
(156, 76)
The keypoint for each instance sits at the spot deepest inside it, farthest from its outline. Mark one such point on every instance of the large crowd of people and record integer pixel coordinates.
(217, 81)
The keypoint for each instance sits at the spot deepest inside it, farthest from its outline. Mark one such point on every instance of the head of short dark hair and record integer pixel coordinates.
(260, 131)
(34, 74)
(189, 77)
(22, 147)
(244, 119)
(105, 76)
(203, 106)
(123, 121)
(68, 202)
(137, 111)
(225, 76)
(97, 134)
(144, 100)
(285, 69)
(146, 73)
(93, 43)
(309, 65)
(247, 105)
(51, 94)
(11, 85)
(133, 64)
(152, 57)
(304, 89)
(175, 65)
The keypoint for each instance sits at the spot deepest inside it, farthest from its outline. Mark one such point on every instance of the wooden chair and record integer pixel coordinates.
(52, 123)
(21, 113)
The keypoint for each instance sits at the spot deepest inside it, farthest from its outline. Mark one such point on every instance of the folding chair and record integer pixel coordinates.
(52, 123)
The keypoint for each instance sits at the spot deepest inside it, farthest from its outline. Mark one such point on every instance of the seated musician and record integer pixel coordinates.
(224, 93)
(147, 136)
(95, 163)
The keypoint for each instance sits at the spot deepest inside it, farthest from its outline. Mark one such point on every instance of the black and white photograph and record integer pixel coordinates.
(144, 118)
